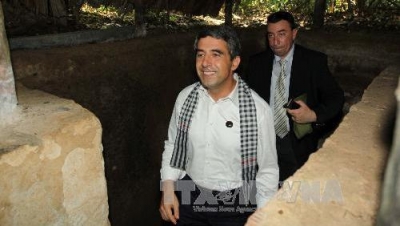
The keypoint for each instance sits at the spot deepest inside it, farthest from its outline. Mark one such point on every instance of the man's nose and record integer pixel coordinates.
(206, 61)
(275, 41)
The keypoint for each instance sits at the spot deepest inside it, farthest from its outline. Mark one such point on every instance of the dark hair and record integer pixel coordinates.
(225, 33)
(282, 15)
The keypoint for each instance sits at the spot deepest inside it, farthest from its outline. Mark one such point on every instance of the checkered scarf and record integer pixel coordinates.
(248, 131)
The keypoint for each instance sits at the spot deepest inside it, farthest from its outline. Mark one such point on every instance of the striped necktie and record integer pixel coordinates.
(280, 118)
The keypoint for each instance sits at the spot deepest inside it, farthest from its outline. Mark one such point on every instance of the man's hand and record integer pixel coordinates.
(303, 114)
(169, 206)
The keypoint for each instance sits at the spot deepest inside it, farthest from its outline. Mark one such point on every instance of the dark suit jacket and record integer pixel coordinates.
(309, 74)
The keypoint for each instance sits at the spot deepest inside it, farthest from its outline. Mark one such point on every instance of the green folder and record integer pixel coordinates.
(302, 129)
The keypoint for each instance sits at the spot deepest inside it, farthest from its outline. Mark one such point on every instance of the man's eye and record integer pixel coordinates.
(199, 54)
(282, 34)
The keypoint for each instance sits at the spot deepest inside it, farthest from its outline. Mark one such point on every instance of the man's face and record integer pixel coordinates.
(281, 37)
(214, 65)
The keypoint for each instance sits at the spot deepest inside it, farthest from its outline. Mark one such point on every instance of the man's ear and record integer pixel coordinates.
(235, 63)
(294, 33)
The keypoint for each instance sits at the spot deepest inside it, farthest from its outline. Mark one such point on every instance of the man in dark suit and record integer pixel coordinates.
(287, 71)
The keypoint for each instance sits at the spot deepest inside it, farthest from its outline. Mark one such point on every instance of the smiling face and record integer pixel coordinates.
(281, 37)
(215, 67)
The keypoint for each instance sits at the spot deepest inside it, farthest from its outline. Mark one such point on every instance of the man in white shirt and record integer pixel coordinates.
(221, 141)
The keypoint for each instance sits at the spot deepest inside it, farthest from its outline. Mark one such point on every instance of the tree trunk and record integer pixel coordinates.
(58, 8)
(140, 25)
(42, 7)
(319, 11)
(168, 13)
(76, 8)
(59, 11)
(228, 12)
(360, 5)
(8, 97)
(15, 3)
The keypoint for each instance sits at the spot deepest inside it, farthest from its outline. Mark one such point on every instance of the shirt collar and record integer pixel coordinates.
(289, 56)
(233, 96)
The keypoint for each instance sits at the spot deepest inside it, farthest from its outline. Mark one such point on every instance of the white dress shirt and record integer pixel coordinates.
(214, 154)
(276, 70)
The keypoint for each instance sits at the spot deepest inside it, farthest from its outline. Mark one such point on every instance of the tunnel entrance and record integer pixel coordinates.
(131, 87)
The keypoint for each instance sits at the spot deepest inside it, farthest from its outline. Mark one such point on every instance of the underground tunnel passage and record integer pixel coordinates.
(131, 87)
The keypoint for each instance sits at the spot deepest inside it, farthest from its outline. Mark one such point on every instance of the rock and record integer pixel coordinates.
(51, 164)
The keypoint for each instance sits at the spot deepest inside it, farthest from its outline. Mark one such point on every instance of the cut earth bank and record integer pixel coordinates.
(131, 86)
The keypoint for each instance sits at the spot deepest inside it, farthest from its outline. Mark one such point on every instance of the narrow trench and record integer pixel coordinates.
(133, 185)
(353, 84)
(134, 117)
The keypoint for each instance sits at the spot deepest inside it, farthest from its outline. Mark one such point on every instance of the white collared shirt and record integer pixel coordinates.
(214, 155)
(276, 70)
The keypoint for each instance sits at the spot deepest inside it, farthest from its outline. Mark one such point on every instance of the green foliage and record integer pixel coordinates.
(387, 4)
(362, 12)
(307, 6)
(344, 13)
(247, 7)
